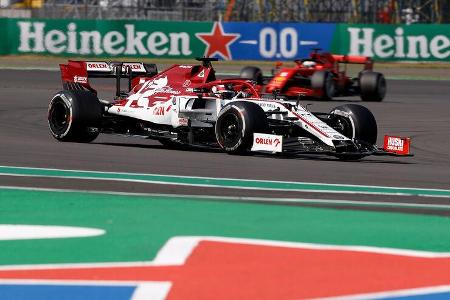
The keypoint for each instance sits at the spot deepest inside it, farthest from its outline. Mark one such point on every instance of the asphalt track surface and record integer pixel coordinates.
(418, 109)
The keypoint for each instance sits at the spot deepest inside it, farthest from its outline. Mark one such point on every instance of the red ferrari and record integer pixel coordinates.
(323, 75)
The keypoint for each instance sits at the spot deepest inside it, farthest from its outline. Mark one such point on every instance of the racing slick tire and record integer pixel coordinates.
(373, 86)
(356, 122)
(252, 73)
(75, 116)
(323, 82)
(236, 124)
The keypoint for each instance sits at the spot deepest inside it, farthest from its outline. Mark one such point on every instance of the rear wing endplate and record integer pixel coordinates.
(75, 74)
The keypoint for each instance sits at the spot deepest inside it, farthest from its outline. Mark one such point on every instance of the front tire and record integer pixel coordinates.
(323, 83)
(74, 116)
(355, 122)
(236, 124)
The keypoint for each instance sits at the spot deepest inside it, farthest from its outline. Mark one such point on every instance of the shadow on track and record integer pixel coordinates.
(316, 157)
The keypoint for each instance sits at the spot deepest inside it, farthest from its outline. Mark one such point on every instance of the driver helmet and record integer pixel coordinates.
(309, 64)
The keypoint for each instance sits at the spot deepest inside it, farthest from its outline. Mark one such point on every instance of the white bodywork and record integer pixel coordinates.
(157, 102)
(177, 112)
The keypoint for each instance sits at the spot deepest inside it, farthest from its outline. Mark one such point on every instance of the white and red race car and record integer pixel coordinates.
(187, 105)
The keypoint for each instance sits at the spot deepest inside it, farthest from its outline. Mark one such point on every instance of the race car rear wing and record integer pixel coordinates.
(75, 74)
(354, 59)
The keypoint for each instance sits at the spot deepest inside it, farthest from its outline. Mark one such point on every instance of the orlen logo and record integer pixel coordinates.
(395, 143)
(267, 141)
(137, 67)
(97, 66)
(134, 66)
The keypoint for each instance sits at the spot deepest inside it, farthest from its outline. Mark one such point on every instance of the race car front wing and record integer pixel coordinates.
(269, 143)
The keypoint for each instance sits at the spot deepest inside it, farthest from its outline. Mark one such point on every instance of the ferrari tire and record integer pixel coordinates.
(236, 124)
(356, 122)
(373, 86)
(252, 73)
(74, 116)
(323, 83)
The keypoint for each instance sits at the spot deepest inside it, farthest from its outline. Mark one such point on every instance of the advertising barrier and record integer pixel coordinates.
(278, 41)
(231, 40)
(105, 38)
(418, 42)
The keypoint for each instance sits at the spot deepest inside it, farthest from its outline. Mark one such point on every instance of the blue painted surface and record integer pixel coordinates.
(275, 41)
(425, 296)
(111, 292)
(66, 292)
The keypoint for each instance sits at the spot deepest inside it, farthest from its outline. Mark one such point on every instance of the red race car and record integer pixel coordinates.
(323, 75)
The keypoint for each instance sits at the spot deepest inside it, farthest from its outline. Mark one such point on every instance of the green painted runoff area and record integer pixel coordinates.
(137, 226)
(224, 182)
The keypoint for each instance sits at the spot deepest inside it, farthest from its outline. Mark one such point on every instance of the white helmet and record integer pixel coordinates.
(309, 64)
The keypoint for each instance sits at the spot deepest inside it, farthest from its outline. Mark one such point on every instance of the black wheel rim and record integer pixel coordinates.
(59, 117)
(230, 130)
(343, 126)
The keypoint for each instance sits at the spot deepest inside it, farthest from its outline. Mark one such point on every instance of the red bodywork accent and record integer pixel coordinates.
(237, 84)
(289, 80)
(397, 145)
(185, 78)
(181, 80)
(74, 70)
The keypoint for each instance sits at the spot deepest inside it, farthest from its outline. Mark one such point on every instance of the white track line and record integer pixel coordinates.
(234, 198)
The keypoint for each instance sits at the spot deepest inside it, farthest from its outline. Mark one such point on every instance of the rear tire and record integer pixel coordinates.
(252, 73)
(323, 82)
(373, 86)
(236, 124)
(75, 116)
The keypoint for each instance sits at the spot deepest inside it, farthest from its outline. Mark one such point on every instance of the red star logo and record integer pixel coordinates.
(218, 42)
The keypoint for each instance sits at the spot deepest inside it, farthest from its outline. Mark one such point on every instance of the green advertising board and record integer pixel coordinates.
(102, 38)
(230, 40)
(419, 42)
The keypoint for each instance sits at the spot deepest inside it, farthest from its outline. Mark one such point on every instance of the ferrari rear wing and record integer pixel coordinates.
(75, 74)
(354, 59)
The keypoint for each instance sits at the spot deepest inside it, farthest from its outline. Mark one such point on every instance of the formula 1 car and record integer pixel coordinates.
(187, 105)
(323, 76)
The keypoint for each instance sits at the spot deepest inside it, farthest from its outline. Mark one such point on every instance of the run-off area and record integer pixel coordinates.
(168, 247)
